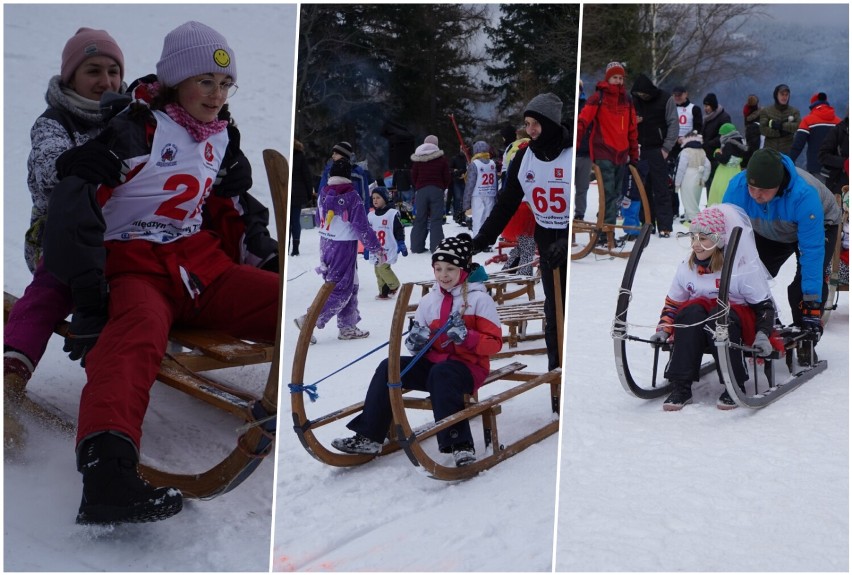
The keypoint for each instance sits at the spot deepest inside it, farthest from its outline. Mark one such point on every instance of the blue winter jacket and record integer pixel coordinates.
(795, 214)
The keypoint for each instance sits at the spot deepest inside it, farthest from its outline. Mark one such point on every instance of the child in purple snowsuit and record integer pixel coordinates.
(343, 221)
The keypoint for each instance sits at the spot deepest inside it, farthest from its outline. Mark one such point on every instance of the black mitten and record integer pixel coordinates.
(93, 162)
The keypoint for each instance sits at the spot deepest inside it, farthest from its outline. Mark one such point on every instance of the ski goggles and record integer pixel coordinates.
(706, 241)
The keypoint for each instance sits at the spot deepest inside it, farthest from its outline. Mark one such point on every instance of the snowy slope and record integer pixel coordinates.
(700, 489)
(387, 515)
(41, 493)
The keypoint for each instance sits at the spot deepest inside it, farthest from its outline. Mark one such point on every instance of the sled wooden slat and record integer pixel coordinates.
(517, 316)
(497, 285)
(222, 347)
(177, 376)
(177, 370)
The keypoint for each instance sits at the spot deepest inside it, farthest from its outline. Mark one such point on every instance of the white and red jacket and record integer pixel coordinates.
(484, 334)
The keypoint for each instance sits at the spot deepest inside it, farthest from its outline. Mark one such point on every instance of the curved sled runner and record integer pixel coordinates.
(598, 227)
(402, 434)
(214, 351)
(761, 393)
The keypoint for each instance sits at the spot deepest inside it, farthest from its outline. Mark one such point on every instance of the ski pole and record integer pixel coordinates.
(420, 353)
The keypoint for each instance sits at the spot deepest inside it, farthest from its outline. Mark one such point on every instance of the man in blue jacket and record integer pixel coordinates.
(792, 213)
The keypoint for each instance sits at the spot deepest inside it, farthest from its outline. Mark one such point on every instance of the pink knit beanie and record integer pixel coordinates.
(85, 44)
(710, 221)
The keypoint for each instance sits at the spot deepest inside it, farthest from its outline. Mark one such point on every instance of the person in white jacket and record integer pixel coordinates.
(693, 168)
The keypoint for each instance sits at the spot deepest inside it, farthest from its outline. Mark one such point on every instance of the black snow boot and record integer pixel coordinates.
(680, 396)
(113, 491)
(294, 250)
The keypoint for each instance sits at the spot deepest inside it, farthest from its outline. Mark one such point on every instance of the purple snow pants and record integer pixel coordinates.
(340, 261)
(45, 302)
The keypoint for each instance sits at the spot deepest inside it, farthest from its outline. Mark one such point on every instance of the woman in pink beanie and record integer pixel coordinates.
(92, 65)
(139, 258)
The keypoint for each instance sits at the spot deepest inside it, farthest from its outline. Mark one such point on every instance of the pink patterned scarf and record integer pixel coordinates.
(200, 131)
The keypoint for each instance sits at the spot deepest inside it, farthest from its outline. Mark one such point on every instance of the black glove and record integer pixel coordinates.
(812, 318)
(480, 244)
(234, 175)
(93, 162)
(557, 253)
(86, 326)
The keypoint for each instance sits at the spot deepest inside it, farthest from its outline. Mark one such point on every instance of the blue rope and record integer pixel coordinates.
(311, 389)
(420, 353)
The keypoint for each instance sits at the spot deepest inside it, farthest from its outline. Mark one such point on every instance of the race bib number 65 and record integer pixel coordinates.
(552, 201)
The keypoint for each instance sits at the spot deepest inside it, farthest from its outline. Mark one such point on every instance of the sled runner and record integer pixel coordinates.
(206, 351)
(757, 393)
(598, 229)
(403, 435)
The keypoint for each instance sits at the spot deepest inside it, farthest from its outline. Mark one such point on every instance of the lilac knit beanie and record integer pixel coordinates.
(192, 49)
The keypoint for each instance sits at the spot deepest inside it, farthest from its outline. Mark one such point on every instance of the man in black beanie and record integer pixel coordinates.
(658, 130)
(541, 175)
(714, 116)
(359, 176)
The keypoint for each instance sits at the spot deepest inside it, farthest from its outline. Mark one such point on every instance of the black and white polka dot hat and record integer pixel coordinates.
(456, 251)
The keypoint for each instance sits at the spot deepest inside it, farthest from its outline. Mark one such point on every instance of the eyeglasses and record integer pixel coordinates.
(209, 87)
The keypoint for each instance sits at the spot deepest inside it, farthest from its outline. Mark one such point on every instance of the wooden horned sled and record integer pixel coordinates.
(413, 439)
(758, 392)
(597, 229)
(203, 351)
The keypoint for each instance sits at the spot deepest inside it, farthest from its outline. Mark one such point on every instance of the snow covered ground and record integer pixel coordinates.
(700, 489)
(42, 491)
(387, 515)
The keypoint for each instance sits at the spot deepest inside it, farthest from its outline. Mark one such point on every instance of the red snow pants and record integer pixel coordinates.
(122, 367)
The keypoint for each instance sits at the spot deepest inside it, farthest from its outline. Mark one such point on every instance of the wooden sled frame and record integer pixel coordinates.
(793, 340)
(594, 229)
(257, 437)
(402, 435)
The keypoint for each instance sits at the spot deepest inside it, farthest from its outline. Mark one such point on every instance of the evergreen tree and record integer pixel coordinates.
(363, 65)
(534, 50)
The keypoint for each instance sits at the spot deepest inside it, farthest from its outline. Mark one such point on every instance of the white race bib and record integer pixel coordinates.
(163, 201)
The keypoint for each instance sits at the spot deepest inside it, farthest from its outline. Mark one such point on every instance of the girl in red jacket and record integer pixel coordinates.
(456, 364)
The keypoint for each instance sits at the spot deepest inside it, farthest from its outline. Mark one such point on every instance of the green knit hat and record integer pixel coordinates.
(765, 169)
(726, 129)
